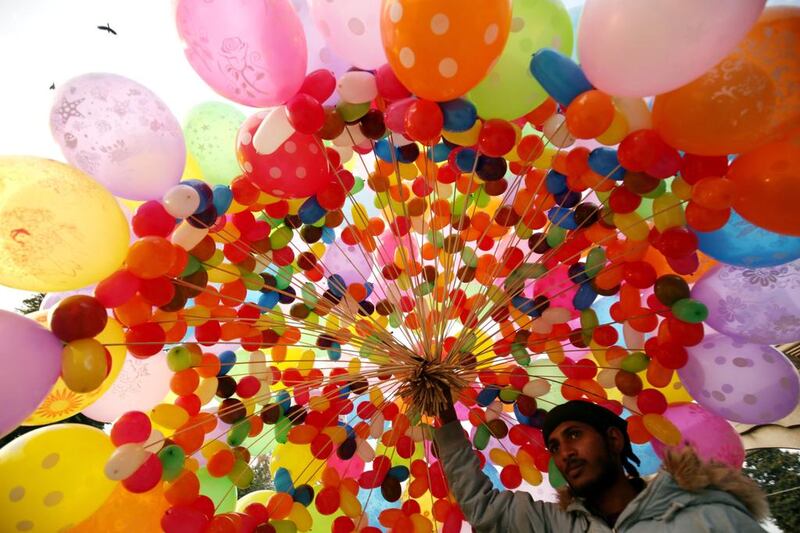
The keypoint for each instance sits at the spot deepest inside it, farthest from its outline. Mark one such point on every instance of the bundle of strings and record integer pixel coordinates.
(427, 384)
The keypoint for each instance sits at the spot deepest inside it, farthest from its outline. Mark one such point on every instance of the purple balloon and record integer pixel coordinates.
(120, 133)
(30, 357)
(347, 261)
(711, 436)
(320, 55)
(742, 382)
(759, 305)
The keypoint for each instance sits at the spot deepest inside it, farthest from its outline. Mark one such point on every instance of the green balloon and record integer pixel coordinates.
(689, 310)
(172, 459)
(635, 362)
(210, 131)
(179, 358)
(283, 526)
(481, 439)
(555, 476)
(238, 432)
(510, 90)
(220, 489)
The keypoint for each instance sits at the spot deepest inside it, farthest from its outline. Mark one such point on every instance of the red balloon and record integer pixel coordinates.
(183, 519)
(78, 317)
(297, 169)
(651, 401)
(145, 340)
(133, 426)
(639, 150)
(305, 113)
(389, 87)
(497, 137)
(327, 501)
(146, 476)
(423, 121)
(319, 85)
(117, 288)
(152, 219)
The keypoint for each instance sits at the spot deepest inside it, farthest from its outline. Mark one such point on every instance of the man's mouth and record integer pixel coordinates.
(574, 470)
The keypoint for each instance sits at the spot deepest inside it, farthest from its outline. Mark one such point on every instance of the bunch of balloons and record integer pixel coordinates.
(465, 201)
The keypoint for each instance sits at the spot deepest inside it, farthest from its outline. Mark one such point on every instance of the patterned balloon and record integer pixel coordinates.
(120, 133)
(254, 54)
(209, 129)
(749, 383)
(760, 305)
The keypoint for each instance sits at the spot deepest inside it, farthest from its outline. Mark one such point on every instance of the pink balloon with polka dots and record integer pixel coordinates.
(296, 169)
(352, 30)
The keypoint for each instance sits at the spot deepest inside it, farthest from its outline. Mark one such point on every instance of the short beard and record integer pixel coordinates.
(608, 475)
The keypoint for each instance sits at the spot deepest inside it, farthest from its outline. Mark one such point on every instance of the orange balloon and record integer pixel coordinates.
(767, 185)
(655, 258)
(123, 508)
(748, 99)
(150, 257)
(440, 50)
(588, 116)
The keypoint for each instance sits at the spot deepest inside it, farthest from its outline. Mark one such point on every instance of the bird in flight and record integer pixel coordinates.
(53, 87)
(107, 28)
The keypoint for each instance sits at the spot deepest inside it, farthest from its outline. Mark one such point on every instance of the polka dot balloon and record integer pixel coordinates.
(440, 50)
(296, 169)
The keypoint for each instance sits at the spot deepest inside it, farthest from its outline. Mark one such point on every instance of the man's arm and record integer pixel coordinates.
(485, 507)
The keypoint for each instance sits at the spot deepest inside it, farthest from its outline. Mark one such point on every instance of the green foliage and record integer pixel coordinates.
(776, 470)
(31, 304)
(262, 479)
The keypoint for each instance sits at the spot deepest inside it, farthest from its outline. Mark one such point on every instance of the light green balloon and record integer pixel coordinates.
(210, 131)
(220, 489)
(510, 90)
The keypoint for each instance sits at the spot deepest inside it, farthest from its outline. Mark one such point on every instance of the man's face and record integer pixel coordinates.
(583, 457)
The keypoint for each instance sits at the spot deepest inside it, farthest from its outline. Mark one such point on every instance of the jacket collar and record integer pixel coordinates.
(685, 480)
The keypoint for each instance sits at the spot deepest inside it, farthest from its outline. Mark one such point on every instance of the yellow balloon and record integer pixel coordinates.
(258, 496)
(83, 365)
(59, 229)
(192, 170)
(298, 460)
(52, 478)
(61, 402)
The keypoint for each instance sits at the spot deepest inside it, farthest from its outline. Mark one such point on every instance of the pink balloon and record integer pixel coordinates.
(30, 357)
(557, 286)
(635, 48)
(352, 29)
(141, 385)
(346, 468)
(711, 436)
(320, 55)
(350, 262)
(253, 52)
(119, 133)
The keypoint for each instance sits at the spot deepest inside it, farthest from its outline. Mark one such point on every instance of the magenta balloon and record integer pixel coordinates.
(742, 382)
(253, 52)
(636, 48)
(30, 357)
(759, 305)
(120, 133)
(711, 436)
(352, 28)
(141, 384)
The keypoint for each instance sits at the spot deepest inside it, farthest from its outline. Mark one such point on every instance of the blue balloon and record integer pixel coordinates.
(439, 152)
(743, 244)
(555, 182)
(227, 360)
(585, 297)
(385, 151)
(310, 211)
(328, 235)
(269, 299)
(562, 217)
(487, 396)
(222, 198)
(283, 481)
(465, 160)
(604, 161)
(203, 190)
(459, 115)
(560, 76)
(494, 476)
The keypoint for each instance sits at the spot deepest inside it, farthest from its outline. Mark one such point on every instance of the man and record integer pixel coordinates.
(604, 493)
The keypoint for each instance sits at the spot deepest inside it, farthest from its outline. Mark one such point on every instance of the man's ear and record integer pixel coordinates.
(616, 439)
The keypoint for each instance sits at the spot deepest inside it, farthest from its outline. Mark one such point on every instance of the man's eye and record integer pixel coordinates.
(574, 434)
